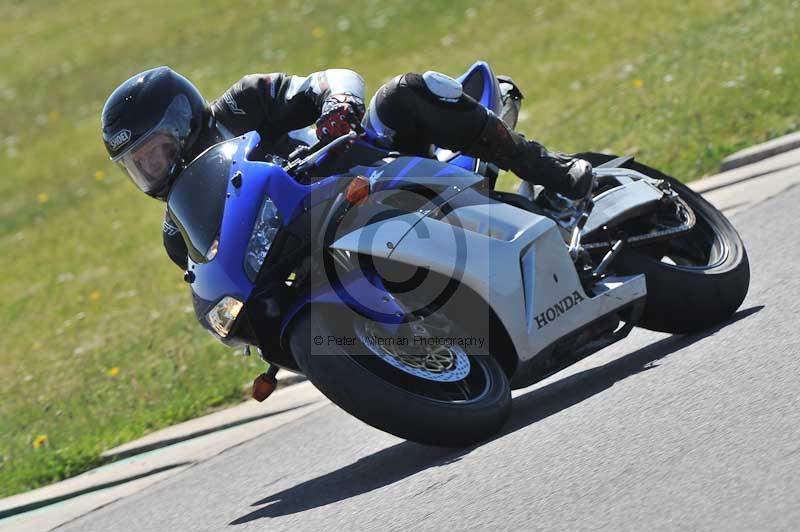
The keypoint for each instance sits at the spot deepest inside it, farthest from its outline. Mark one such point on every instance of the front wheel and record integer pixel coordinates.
(696, 280)
(441, 396)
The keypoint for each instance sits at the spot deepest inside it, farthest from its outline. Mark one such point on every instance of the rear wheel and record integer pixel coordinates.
(695, 280)
(442, 395)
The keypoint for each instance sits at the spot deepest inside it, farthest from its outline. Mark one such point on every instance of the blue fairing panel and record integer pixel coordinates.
(480, 82)
(361, 291)
(225, 274)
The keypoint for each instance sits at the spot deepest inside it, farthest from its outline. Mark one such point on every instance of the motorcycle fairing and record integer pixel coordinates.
(515, 260)
(225, 275)
(403, 189)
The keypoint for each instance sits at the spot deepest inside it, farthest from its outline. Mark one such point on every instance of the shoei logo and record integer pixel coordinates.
(558, 309)
(119, 139)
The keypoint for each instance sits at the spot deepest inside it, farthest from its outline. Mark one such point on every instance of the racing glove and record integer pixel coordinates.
(341, 114)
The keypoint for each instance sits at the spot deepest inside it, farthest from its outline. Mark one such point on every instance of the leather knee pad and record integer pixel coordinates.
(439, 90)
(413, 111)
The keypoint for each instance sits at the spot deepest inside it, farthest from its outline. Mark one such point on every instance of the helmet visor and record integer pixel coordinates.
(152, 160)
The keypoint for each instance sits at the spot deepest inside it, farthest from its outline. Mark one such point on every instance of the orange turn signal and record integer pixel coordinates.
(263, 386)
(357, 191)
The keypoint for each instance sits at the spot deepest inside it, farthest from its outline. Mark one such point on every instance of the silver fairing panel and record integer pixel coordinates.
(515, 260)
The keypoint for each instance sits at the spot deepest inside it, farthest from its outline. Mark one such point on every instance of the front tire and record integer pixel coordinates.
(694, 281)
(382, 396)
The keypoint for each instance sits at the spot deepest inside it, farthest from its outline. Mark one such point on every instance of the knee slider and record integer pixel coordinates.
(442, 86)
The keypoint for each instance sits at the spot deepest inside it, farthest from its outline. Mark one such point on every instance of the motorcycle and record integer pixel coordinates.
(415, 296)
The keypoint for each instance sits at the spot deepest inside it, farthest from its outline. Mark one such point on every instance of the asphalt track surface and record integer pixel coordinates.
(696, 432)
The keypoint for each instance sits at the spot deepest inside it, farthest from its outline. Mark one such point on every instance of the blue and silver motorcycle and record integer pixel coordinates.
(415, 296)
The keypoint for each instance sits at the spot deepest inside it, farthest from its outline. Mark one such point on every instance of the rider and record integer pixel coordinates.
(156, 122)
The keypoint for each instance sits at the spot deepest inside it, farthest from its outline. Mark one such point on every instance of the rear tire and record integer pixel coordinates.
(684, 297)
(351, 385)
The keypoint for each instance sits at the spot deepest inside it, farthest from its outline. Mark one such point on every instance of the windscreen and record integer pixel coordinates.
(197, 199)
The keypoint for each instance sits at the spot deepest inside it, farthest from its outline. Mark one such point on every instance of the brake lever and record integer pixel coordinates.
(299, 165)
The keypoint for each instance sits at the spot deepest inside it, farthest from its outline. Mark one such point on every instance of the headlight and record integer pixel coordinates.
(223, 315)
(267, 224)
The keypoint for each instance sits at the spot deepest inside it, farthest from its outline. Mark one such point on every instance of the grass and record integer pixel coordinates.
(99, 343)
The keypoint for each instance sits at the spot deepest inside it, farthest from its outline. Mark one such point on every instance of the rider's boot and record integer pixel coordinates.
(529, 160)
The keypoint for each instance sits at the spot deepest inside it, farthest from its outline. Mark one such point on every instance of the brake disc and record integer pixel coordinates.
(437, 362)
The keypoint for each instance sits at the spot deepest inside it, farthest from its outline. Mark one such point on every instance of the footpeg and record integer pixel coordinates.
(265, 384)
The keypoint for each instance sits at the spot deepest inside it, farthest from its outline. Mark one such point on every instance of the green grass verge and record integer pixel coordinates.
(99, 344)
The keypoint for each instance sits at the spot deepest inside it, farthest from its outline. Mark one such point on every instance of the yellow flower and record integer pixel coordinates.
(318, 33)
(99, 175)
(39, 440)
(638, 83)
(113, 372)
(42, 198)
(95, 296)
